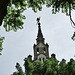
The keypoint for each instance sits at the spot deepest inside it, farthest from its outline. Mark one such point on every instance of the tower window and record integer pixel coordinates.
(37, 50)
(39, 59)
(44, 50)
(43, 59)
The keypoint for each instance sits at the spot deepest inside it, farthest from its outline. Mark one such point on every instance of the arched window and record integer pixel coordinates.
(44, 50)
(43, 59)
(39, 59)
(37, 50)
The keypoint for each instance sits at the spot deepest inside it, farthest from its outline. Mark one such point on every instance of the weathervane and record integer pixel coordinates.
(38, 21)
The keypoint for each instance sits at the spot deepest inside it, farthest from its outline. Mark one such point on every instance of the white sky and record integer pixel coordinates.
(57, 32)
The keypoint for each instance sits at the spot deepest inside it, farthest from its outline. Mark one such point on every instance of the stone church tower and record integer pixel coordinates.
(41, 51)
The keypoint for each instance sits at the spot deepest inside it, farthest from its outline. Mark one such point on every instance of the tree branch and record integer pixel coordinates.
(72, 22)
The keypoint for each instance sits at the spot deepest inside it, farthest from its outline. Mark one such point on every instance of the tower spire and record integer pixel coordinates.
(40, 38)
(40, 48)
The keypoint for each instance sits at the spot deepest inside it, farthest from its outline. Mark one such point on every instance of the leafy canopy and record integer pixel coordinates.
(50, 67)
(1, 41)
(13, 19)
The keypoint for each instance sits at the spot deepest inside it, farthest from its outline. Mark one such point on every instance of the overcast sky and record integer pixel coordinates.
(56, 30)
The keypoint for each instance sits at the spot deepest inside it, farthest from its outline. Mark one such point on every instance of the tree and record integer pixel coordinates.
(62, 67)
(50, 66)
(11, 11)
(13, 18)
(3, 9)
(71, 67)
(37, 68)
(28, 66)
(19, 70)
(73, 37)
(1, 41)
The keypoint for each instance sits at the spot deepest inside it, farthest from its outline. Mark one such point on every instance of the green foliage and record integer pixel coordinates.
(19, 70)
(62, 67)
(1, 41)
(37, 68)
(50, 67)
(65, 5)
(28, 66)
(36, 4)
(73, 37)
(13, 19)
(71, 67)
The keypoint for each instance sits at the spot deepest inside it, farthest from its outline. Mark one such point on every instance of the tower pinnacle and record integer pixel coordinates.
(40, 38)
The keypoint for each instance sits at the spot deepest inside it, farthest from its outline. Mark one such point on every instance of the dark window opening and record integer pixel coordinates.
(37, 50)
(39, 59)
(43, 59)
(44, 50)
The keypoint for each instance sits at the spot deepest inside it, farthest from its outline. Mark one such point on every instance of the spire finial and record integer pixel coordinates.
(40, 38)
(38, 20)
(39, 27)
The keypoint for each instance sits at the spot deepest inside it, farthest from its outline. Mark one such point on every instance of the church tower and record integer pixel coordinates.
(41, 51)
